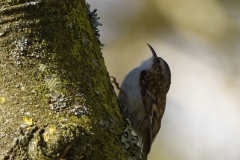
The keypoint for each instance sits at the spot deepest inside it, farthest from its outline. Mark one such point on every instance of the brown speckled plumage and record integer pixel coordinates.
(146, 88)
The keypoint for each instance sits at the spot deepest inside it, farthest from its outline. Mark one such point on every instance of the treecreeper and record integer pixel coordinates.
(144, 99)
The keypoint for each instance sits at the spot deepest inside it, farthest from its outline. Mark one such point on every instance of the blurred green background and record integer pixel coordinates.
(200, 41)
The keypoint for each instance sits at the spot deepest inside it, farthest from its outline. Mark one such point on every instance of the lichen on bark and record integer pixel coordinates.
(56, 99)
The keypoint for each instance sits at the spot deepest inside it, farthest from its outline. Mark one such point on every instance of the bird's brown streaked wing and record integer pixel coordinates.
(153, 99)
(147, 101)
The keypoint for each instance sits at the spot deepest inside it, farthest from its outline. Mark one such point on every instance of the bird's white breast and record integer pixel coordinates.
(131, 87)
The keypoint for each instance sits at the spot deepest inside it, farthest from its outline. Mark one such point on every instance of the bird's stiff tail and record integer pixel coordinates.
(146, 143)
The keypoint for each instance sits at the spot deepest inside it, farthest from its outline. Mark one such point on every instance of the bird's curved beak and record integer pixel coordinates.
(153, 52)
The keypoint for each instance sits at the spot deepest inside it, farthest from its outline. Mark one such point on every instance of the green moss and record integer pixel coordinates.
(62, 60)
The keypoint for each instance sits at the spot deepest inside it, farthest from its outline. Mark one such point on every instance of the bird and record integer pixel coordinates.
(143, 102)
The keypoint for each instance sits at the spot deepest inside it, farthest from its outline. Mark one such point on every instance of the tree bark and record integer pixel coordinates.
(56, 99)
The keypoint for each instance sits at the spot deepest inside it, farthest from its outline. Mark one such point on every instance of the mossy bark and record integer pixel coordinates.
(56, 100)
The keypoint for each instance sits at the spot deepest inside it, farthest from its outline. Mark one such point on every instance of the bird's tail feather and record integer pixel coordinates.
(146, 143)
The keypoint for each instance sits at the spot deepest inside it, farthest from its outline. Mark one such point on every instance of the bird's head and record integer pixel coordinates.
(158, 63)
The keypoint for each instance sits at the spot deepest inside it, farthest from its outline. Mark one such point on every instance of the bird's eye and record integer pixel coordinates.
(158, 61)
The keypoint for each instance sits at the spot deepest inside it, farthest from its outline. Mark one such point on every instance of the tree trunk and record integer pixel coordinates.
(56, 99)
